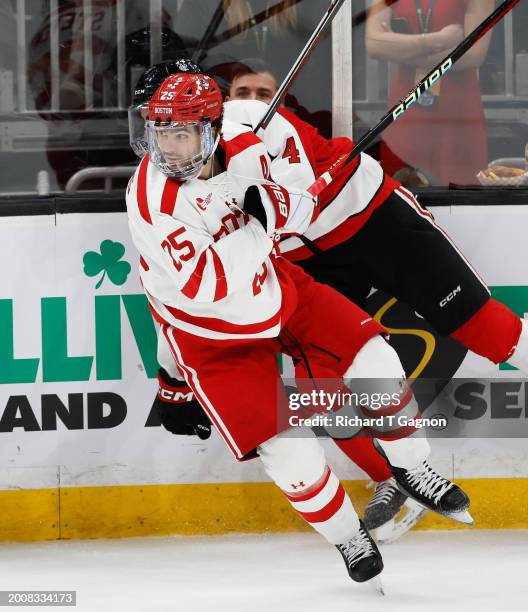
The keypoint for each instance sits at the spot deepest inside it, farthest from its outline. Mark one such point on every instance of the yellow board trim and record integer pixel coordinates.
(191, 509)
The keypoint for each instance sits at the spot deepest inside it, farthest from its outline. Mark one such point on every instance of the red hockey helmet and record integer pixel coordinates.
(181, 115)
(186, 97)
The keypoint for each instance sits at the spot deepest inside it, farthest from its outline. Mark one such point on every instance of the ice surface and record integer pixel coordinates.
(449, 571)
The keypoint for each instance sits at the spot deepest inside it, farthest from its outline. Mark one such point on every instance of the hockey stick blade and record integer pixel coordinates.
(405, 103)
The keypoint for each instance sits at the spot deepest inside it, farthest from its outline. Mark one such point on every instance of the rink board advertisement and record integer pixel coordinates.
(78, 350)
(78, 344)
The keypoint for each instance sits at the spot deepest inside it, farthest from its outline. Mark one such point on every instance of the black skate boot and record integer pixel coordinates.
(361, 556)
(434, 492)
(384, 505)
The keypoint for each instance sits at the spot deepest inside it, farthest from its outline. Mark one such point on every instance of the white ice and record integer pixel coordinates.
(458, 571)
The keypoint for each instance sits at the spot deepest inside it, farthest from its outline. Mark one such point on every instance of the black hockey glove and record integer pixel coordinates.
(179, 411)
(253, 205)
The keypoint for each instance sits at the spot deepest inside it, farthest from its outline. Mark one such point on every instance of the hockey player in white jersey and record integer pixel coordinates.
(175, 404)
(227, 303)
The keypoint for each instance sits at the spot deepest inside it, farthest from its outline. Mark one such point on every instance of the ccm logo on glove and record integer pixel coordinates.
(178, 410)
(175, 396)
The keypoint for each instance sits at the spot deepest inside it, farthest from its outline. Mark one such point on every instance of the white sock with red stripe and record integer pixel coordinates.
(297, 465)
(405, 446)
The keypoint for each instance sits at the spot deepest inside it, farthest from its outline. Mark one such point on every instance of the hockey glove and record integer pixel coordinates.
(179, 411)
(280, 211)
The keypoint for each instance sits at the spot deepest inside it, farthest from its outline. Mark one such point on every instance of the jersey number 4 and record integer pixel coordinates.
(171, 244)
(291, 152)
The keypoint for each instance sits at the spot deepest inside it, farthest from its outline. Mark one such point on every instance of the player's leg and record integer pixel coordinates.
(409, 256)
(237, 384)
(295, 461)
(387, 500)
(406, 450)
(344, 339)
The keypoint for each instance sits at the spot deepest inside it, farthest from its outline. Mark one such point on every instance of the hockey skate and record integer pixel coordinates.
(390, 514)
(362, 558)
(434, 492)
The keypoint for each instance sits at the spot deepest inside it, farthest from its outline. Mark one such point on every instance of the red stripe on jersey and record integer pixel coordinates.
(403, 193)
(168, 198)
(328, 511)
(157, 317)
(349, 227)
(340, 178)
(221, 326)
(202, 398)
(221, 281)
(312, 491)
(142, 190)
(239, 144)
(322, 153)
(192, 286)
(143, 264)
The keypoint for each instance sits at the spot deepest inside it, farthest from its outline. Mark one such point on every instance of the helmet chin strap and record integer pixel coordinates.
(215, 145)
(205, 161)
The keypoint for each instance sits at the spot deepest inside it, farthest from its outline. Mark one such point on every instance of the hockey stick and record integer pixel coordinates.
(216, 20)
(399, 109)
(331, 12)
(313, 41)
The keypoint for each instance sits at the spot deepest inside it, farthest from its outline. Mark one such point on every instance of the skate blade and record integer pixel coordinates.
(462, 517)
(377, 584)
(414, 513)
(384, 532)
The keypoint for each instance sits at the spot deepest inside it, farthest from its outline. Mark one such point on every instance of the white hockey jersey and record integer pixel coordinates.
(205, 265)
(299, 156)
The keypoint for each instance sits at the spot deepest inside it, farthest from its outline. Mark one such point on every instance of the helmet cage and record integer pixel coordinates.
(137, 129)
(189, 167)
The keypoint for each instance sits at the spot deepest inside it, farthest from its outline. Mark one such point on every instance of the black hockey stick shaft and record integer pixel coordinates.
(312, 43)
(405, 103)
(210, 31)
(331, 12)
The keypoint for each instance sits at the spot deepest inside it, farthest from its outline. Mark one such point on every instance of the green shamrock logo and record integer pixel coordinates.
(107, 261)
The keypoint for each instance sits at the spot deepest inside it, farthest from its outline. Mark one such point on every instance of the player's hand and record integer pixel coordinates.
(179, 411)
(279, 210)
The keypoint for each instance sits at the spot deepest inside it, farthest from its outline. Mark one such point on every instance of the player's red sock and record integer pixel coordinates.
(493, 332)
(363, 453)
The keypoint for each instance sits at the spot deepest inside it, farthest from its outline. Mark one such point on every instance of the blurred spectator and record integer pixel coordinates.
(74, 142)
(444, 134)
(251, 79)
(70, 54)
(240, 17)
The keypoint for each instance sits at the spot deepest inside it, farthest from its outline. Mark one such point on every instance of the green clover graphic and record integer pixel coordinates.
(107, 261)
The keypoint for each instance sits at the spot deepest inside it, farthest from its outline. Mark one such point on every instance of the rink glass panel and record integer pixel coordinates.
(67, 70)
(483, 114)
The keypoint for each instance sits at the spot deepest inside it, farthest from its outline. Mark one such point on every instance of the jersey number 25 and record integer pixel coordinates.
(171, 244)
